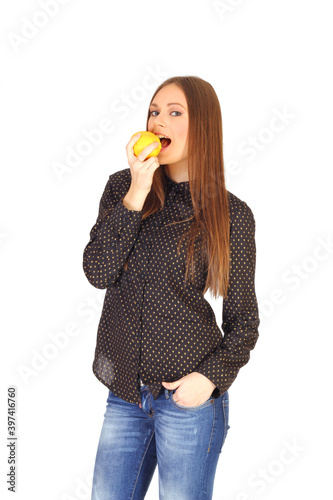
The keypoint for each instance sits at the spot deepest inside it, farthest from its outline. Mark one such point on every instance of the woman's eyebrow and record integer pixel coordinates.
(170, 104)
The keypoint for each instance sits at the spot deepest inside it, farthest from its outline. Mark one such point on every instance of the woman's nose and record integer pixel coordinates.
(159, 121)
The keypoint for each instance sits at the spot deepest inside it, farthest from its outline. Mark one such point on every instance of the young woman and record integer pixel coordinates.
(167, 231)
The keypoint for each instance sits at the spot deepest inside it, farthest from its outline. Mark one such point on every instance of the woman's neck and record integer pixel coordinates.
(176, 173)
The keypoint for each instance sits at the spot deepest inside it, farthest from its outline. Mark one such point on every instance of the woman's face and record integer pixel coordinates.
(168, 116)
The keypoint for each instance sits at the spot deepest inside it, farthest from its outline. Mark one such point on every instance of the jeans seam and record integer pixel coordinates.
(204, 479)
(145, 453)
(211, 434)
(225, 422)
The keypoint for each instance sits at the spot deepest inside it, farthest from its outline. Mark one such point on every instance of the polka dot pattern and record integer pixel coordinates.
(153, 326)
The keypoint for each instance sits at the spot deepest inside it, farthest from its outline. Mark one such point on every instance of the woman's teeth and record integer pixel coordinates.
(165, 141)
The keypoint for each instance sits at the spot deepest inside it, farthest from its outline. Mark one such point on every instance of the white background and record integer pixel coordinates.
(61, 75)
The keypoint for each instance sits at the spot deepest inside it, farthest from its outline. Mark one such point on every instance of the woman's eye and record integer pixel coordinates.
(151, 113)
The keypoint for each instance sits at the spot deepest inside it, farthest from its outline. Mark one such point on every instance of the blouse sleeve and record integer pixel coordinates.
(111, 238)
(240, 308)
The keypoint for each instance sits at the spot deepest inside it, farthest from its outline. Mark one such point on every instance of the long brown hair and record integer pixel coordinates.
(206, 181)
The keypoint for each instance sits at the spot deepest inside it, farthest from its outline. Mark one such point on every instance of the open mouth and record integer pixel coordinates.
(165, 141)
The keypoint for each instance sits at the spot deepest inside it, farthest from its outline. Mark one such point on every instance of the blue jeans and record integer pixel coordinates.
(185, 442)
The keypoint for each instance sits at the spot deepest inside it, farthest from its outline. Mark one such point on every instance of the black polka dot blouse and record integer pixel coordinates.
(152, 326)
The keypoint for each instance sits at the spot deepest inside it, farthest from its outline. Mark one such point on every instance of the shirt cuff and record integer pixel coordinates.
(120, 217)
(218, 373)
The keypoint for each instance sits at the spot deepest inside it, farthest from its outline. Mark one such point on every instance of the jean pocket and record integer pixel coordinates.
(209, 401)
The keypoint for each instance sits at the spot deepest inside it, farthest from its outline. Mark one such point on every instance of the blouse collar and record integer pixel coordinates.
(182, 187)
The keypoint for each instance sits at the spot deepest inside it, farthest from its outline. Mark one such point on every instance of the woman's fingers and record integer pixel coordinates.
(148, 149)
(129, 146)
(152, 161)
(142, 169)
